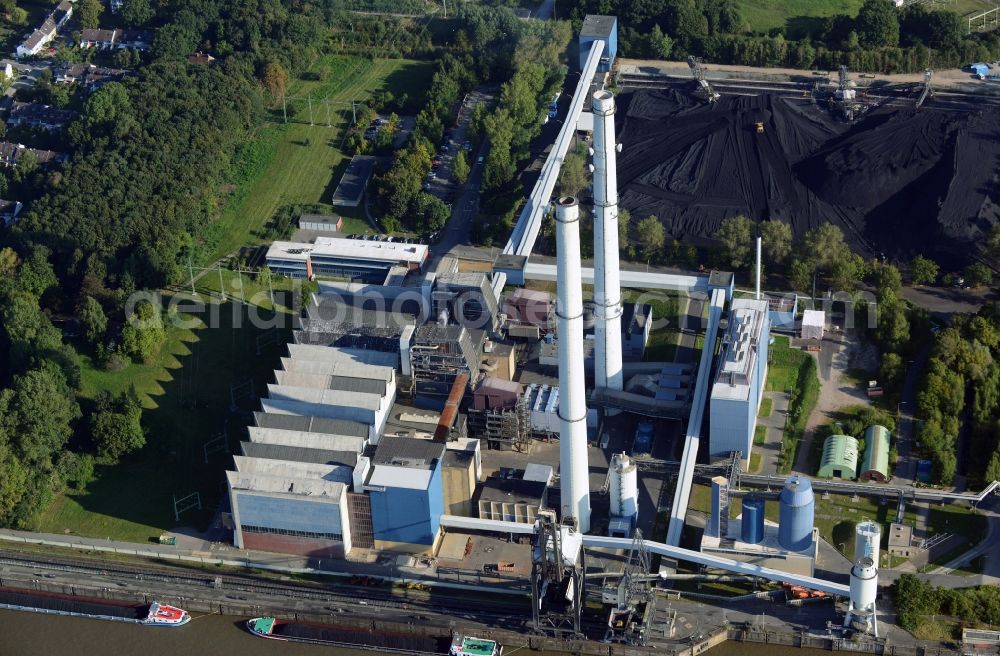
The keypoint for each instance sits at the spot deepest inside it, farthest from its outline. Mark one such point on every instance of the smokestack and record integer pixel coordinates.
(758, 269)
(607, 280)
(573, 466)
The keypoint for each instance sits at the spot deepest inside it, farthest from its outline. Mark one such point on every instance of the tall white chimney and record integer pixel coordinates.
(607, 278)
(758, 269)
(573, 466)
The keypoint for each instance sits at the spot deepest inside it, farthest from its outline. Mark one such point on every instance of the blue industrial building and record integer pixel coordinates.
(599, 28)
(406, 492)
(739, 384)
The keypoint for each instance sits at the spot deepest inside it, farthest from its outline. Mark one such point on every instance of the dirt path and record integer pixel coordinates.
(841, 352)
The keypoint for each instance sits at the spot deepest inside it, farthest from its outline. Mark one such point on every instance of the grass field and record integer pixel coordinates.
(302, 162)
(765, 407)
(796, 16)
(186, 396)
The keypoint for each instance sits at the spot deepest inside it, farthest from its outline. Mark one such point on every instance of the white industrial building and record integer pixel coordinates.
(314, 353)
(363, 259)
(739, 384)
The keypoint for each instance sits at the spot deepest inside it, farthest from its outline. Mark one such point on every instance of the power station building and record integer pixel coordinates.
(739, 383)
(406, 492)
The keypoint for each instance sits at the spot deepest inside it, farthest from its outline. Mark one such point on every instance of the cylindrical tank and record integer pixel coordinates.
(864, 584)
(624, 487)
(796, 507)
(867, 538)
(752, 527)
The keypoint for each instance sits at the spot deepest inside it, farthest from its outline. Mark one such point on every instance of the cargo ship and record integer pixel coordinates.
(383, 642)
(154, 614)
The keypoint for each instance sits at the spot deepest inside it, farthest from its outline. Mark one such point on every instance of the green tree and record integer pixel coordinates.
(887, 277)
(893, 329)
(993, 468)
(88, 13)
(460, 169)
(143, 333)
(660, 45)
(823, 246)
(136, 12)
(652, 237)
(776, 240)
(573, 175)
(624, 245)
(992, 242)
(800, 274)
(892, 369)
(275, 79)
(924, 271)
(9, 261)
(878, 24)
(978, 274)
(735, 233)
(93, 320)
(117, 432)
(37, 413)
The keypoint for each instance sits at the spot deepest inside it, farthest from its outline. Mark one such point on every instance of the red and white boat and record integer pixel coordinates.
(164, 615)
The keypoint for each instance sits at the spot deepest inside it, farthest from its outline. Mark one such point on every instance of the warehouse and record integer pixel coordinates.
(840, 458)
(338, 354)
(340, 368)
(336, 404)
(875, 465)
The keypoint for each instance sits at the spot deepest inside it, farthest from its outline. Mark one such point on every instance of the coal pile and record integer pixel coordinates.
(897, 181)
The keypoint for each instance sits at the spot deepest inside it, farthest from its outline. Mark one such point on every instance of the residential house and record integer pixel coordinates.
(201, 58)
(46, 31)
(87, 75)
(115, 5)
(39, 116)
(115, 39)
(12, 153)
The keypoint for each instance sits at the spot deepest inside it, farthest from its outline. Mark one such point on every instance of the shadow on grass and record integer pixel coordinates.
(190, 405)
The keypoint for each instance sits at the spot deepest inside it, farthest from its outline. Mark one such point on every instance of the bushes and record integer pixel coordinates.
(915, 599)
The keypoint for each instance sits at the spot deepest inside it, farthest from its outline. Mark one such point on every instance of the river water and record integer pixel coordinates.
(32, 634)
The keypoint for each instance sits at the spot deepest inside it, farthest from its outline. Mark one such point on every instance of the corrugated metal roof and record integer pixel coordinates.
(407, 452)
(307, 409)
(298, 454)
(336, 353)
(323, 441)
(330, 397)
(339, 368)
(326, 381)
(315, 488)
(292, 469)
(876, 458)
(347, 427)
(840, 452)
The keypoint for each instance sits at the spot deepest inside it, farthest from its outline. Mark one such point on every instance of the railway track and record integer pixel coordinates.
(338, 597)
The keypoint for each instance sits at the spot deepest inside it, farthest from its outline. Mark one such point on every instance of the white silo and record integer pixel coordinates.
(623, 487)
(867, 539)
(864, 590)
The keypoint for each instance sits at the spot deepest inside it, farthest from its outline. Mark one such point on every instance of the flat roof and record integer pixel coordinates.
(597, 25)
(338, 368)
(336, 473)
(352, 183)
(740, 353)
(327, 381)
(337, 353)
(350, 249)
(329, 397)
(410, 478)
(305, 408)
(346, 427)
(307, 440)
(315, 488)
(506, 490)
(408, 452)
(298, 453)
(813, 318)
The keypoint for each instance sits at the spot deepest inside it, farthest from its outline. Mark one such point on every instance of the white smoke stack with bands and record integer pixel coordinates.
(607, 278)
(573, 465)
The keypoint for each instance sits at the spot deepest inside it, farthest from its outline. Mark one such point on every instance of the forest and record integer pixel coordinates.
(881, 38)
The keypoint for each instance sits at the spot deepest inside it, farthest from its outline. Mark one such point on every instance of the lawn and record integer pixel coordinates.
(766, 405)
(793, 371)
(760, 435)
(796, 16)
(186, 393)
(301, 163)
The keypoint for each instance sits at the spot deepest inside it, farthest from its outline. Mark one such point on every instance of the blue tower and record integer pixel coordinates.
(796, 509)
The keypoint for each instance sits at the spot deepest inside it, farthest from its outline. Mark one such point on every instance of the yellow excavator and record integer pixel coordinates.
(760, 127)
